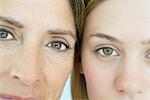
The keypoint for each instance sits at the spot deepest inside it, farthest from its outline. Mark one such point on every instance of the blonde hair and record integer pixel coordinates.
(78, 83)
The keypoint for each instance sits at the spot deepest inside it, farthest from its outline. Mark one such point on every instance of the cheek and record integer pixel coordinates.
(99, 76)
(7, 61)
(57, 72)
(8, 55)
(97, 79)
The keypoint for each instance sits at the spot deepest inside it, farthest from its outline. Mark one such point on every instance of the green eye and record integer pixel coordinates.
(57, 45)
(5, 35)
(107, 51)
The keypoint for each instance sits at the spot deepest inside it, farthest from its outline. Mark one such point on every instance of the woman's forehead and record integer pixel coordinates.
(51, 13)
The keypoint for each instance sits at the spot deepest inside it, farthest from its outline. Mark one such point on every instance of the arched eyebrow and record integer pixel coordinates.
(17, 24)
(11, 22)
(107, 37)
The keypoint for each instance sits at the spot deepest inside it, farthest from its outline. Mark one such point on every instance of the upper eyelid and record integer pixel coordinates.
(58, 39)
(8, 27)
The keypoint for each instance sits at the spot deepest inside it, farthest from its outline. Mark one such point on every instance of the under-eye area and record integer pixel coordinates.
(58, 44)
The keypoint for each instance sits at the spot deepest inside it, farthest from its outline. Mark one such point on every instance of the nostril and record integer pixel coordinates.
(121, 91)
(15, 77)
(139, 92)
(14, 74)
(130, 91)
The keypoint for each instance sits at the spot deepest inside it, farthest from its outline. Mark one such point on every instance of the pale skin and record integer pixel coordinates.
(36, 48)
(116, 51)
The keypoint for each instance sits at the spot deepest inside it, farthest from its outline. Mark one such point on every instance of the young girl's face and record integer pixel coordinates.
(116, 51)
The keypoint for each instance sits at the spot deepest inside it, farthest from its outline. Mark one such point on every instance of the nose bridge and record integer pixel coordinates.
(30, 59)
(28, 68)
(128, 79)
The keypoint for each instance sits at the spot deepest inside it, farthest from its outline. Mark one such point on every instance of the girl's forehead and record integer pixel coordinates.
(120, 18)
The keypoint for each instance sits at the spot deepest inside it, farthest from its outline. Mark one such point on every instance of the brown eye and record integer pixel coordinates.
(5, 35)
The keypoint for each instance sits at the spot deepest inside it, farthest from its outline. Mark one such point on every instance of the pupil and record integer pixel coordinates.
(56, 45)
(108, 51)
(3, 34)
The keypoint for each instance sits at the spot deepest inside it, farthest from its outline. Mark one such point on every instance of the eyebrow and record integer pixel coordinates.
(11, 22)
(55, 31)
(107, 37)
(63, 32)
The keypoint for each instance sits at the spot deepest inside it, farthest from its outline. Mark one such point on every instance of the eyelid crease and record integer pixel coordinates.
(63, 32)
(6, 26)
(54, 38)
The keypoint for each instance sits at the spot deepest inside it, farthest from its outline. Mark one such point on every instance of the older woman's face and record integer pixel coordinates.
(116, 51)
(36, 48)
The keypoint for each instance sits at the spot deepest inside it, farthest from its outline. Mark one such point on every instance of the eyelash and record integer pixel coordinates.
(147, 54)
(8, 33)
(104, 49)
(59, 42)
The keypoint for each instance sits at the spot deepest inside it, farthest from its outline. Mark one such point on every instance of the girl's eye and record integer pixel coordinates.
(107, 51)
(5, 35)
(57, 45)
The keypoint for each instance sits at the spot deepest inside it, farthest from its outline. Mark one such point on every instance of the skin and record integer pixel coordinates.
(36, 55)
(123, 72)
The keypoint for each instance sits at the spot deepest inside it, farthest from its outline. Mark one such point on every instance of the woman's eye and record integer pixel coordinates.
(57, 45)
(5, 35)
(148, 56)
(107, 51)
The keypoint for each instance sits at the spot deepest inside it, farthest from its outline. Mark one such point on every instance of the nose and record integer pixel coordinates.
(128, 79)
(27, 68)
